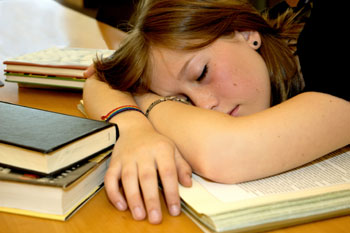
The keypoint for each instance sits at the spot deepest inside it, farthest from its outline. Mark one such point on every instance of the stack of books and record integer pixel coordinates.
(53, 67)
(50, 163)
(315, 191)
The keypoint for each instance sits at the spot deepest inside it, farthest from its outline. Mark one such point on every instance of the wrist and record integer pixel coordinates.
(130, 121)
(164, 99)
(145, 100)
(120, 110)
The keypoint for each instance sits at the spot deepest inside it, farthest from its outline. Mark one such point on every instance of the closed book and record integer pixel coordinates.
(65, 62)
(315, 191)
(46, 142)
(47, 82)
(55, 197)
(54, 68)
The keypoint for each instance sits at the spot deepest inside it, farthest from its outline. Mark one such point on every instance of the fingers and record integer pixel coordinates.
(149, 185)
(111, 180)
(89, 71)
(132, 191)
(184, 170)
(168, 176)
(138, 173)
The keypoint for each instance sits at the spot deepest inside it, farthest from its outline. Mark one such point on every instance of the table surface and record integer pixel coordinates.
(31, 25)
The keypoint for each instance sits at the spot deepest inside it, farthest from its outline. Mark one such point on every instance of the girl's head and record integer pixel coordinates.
(227, 49)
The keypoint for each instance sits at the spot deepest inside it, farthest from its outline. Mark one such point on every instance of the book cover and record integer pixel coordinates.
(315, 191)
(66, 62)
(63, 179)
(45, 141)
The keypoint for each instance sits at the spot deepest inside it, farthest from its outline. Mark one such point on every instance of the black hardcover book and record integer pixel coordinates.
(46, 142)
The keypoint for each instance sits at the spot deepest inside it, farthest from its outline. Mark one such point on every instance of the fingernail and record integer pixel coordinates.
(174, 210)
(121, 206)
(138, 213)
(154, 216)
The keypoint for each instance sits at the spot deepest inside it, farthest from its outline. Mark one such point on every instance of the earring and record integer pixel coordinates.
(255, 43)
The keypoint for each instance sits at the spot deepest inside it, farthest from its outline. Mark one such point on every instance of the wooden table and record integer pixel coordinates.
(31, 25)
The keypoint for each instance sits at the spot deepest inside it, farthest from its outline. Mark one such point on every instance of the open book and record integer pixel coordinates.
(315, 191)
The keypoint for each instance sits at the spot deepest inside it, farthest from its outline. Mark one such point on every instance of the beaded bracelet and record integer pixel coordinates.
(171, 98)
(120, 109)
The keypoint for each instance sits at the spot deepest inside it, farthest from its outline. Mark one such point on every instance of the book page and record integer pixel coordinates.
(329, 170)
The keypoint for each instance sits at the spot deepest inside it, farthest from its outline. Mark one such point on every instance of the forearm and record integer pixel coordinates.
(228, 149)
(99, 99)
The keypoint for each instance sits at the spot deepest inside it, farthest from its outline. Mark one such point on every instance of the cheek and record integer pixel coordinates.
(220, 78)
(225, 84)
(241, 80)
(229, 81)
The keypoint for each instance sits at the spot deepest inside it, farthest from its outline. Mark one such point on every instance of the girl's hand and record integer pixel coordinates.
(89, 71)
(137, 158)
(139, 155)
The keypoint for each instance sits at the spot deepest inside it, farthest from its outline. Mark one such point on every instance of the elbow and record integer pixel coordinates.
(90, 101)
(222, 174)
(217, 170)
(228, 168)
(215, 174)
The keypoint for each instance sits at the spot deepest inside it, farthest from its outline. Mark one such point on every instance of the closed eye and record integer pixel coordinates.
(203, 74)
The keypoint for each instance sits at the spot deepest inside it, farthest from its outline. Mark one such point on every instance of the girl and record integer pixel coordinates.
(251, 113)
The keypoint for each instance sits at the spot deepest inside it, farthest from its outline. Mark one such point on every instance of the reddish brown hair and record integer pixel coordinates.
(194, 24)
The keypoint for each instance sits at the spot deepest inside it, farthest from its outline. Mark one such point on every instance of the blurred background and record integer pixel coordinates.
(117, 12)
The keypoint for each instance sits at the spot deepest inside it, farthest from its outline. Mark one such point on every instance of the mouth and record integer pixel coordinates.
(234, 111)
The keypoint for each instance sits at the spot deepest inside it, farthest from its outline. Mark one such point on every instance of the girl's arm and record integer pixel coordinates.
(232, 150)
(139, 153)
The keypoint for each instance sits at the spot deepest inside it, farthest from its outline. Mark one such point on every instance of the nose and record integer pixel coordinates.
(204, 99)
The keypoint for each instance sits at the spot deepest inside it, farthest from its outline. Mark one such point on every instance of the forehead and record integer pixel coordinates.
(169, 61)
(165, 60)
(166, 66)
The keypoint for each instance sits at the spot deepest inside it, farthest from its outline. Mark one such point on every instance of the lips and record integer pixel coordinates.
(234, 111)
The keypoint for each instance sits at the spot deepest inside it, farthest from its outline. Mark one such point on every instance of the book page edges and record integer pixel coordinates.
(46, 82)
(46, 71)
(71, 178)
(64, 66)
(204, 203)
(271, 225)
(20, 76)
(62, 217)
(48, 163)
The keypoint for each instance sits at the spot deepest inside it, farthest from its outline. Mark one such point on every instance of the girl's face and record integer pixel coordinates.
(228, 76)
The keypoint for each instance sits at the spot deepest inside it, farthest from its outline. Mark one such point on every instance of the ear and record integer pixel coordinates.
(252, 38)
